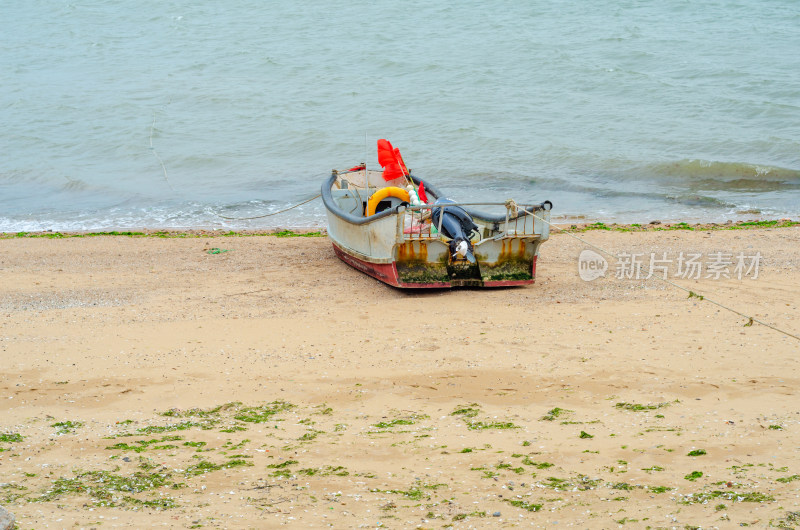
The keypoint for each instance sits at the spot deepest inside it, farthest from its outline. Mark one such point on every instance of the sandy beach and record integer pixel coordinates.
(253, 382)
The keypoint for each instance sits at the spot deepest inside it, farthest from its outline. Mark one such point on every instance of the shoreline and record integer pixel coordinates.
(652, 226)
(151, 380)
(561, 220)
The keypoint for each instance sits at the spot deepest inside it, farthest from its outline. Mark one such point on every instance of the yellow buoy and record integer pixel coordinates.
(378, 196)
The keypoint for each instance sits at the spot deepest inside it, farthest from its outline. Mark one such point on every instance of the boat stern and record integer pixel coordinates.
(428, 264)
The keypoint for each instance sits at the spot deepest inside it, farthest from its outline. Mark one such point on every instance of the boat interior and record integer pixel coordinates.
(352, 190)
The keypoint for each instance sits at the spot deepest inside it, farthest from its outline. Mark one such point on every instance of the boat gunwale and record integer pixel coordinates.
(331, 206)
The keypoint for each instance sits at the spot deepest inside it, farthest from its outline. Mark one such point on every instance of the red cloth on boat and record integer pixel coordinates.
(390, 160)
(421, 193)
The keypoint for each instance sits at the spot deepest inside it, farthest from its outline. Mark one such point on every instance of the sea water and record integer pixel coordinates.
(169, 114)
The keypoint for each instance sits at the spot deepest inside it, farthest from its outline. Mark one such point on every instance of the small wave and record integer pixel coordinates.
(76, 185)
(693, 169)
(699, 200)
(685, 199)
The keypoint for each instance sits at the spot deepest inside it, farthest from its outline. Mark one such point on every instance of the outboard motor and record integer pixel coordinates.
(457, 225)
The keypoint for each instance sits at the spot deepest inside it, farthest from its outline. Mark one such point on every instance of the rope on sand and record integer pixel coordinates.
(750, 319)
(271, 214)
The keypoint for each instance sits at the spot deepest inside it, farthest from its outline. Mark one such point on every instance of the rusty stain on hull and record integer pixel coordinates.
(507, 252)
(406, 253)
(512, 260)
(413, 265)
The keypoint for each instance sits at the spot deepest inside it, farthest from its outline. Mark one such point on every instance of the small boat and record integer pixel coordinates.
(404, 232)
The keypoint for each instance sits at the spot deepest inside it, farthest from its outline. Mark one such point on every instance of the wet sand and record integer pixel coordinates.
(154, 382)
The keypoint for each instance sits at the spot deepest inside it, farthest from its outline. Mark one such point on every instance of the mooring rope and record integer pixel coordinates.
(273, 213)
(163, 167)
(750, 319)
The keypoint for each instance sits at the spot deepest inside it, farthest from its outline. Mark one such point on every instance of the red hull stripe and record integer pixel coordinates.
(385, 272)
